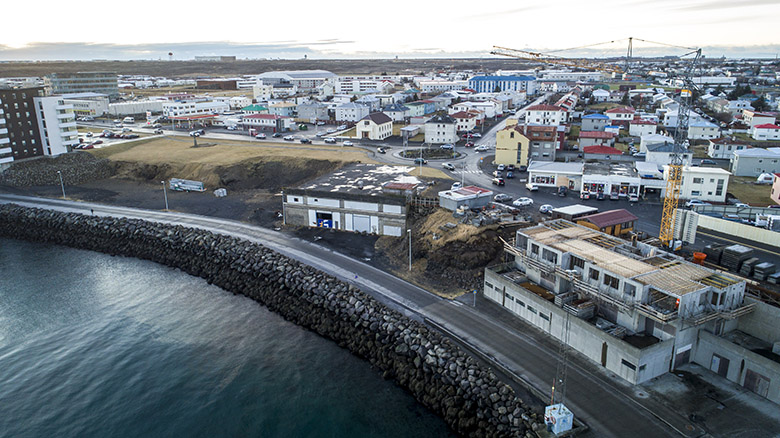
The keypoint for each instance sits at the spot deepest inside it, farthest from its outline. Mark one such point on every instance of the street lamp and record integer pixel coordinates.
(165, 194)
(62, 185)
(409, 233)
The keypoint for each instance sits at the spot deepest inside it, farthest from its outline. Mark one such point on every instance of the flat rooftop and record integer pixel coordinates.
(650, 266)
(364, 179)
(610, 168)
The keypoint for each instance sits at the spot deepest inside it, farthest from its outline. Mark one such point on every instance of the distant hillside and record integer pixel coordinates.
(201, 68)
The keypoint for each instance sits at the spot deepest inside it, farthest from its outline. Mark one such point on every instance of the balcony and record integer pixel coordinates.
(64, 107)
(4, 151)
(5, 140)
(64, 115)
(68, 125)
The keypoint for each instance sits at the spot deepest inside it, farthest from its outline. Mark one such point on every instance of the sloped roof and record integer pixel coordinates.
(606, 150)
(621, 110)
(609, 218)
(767, 126)
(596, 134)
(596, 116)
(441, 119)
(544, 107)
(462, 115)
(378, 118)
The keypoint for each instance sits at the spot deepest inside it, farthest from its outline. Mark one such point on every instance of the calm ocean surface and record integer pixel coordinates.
(100, 346)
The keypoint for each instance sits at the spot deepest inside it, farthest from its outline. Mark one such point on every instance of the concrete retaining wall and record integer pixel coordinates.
(469, 397)
(748, 232)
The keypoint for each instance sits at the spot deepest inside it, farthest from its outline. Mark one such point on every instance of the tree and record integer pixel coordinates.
(718, 90)
(738, 91)
(625, 99)
(760, 104)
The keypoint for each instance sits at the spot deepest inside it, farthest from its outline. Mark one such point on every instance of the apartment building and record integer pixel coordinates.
(724, 147)
(512, 146)
(84, 82)
(490, 84)
(546, 115)
(56, 124)
(441, 130)
(19, 135)
(375, 126)
(628, 306)
(191, 108)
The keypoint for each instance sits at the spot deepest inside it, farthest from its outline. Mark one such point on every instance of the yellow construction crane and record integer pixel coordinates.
(674, 178)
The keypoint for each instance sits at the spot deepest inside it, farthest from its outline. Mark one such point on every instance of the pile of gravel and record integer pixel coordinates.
(76, 167)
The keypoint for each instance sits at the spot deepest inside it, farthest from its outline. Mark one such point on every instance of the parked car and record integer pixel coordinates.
(498, 181)
(131, 136)
(89, 134)
(320, 123)
(476, 135)
(231, 127)
(502, 197)
(321, 134)
(330, 140)
(562, 190)
(330, 131)
(773, 206)
(600, 196)
(692, 202)
(158, 131)
(456, 186)
(194, 134)
(447, 147)
(633, 198)
(305, 141)
(640, 155)
(96, 142)
(481, 148)
(469, 144)
(531, 187)
(510, 174)
(510, 167)
(522, 169)
(381, 150)
(277, 135)
(709, 162)
(348, 143)
(342, 127)
(448, 166)
(261, 136)
(742, 205)
(546, 209)
(585, 194)
(418, 160)
(497, 174)
(614, 196)
(288, 138)
(500, 167)
(523, 202)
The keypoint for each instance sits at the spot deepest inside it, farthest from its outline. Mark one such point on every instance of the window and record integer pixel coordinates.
(544, 316)
(521, 303)
(698, 180)
(628, 364)
(532, 310)
(509, 297)
(629, 289)
(611, 281)
(534, 249)
(489, 285)
(594, 274)
(577, 262)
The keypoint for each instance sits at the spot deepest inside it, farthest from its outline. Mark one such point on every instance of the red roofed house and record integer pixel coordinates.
(613, 222)
(775, 193)
(753, 118)
(546, 115)
(621, 115)
(640, 127)
(765, 132)
(464, 121)
(601, 150)
(270, 122)
(594, 138)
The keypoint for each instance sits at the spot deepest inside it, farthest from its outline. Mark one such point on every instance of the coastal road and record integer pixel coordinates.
(609, 406)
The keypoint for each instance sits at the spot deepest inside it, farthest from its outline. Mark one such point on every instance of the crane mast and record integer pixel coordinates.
(674, 177)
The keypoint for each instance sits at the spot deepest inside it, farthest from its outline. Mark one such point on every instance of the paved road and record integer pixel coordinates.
(610, 407)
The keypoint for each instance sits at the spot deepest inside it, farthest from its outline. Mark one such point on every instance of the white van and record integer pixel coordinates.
(532, 187)
(128, 120)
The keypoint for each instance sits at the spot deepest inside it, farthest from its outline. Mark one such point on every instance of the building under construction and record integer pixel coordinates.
(638, 311)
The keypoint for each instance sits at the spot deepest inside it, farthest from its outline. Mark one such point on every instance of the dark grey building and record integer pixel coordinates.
(84, 82)
(19, 134)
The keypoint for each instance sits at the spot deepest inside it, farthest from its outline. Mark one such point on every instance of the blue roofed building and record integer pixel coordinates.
(488, 84)
(594, 122)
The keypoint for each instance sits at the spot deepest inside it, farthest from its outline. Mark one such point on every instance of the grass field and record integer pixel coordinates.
(754, 194)
(603, 106)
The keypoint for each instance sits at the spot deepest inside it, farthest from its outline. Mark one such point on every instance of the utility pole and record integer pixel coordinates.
(409, 233)
(62, 185)
(165, 194)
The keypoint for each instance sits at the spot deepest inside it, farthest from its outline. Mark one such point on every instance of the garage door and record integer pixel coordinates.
(361, 223)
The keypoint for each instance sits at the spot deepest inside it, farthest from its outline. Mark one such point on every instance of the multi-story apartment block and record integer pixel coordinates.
(84, 82)
(490, 84)
(546, 115)
(440, 130)
(190, 108)
(56, 124)
(19, 135)
(636, 310)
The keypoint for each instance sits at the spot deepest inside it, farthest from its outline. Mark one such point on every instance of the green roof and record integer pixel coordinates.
(254, 107)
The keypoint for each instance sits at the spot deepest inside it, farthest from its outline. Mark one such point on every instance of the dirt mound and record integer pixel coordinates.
(448, 260)
(75, 167)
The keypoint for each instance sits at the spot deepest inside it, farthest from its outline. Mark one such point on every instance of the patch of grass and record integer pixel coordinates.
(603, 106)
(429, 172)
(700, 151)
(754, 194)
(174, 150)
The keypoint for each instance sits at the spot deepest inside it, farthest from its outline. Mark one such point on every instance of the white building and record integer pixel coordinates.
(621, 115)
(440, 86)
(362, 86)
(351, 112)
(441, 130)
(703, 130)
(723, 148)
(661, 154)
(549, 115)
(553, 174)
(238, 102)
(304, 80)
(87, 104)
(266, 122)
(56, 124)
(765, 132)
(262, 92)
(654, 139)
(704, 183)
(190, 108)
(465, 121)
(130, 108)
(639, 128)
(753, 118)
(489, 108)
(375, 126)
(565, 75)
(600, 95)
(755, 161)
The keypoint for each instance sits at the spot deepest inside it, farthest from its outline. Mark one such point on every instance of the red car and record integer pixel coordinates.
(469, 144)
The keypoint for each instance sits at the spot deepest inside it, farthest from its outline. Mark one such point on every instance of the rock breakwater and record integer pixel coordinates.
(468, 396)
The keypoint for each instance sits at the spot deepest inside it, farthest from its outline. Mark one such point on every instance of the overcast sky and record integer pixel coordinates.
(144, 29)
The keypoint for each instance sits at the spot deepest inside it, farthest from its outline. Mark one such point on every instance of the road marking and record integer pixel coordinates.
(739, 243)
(457, 303)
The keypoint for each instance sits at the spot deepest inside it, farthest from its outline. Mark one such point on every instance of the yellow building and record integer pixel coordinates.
(511, 145)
